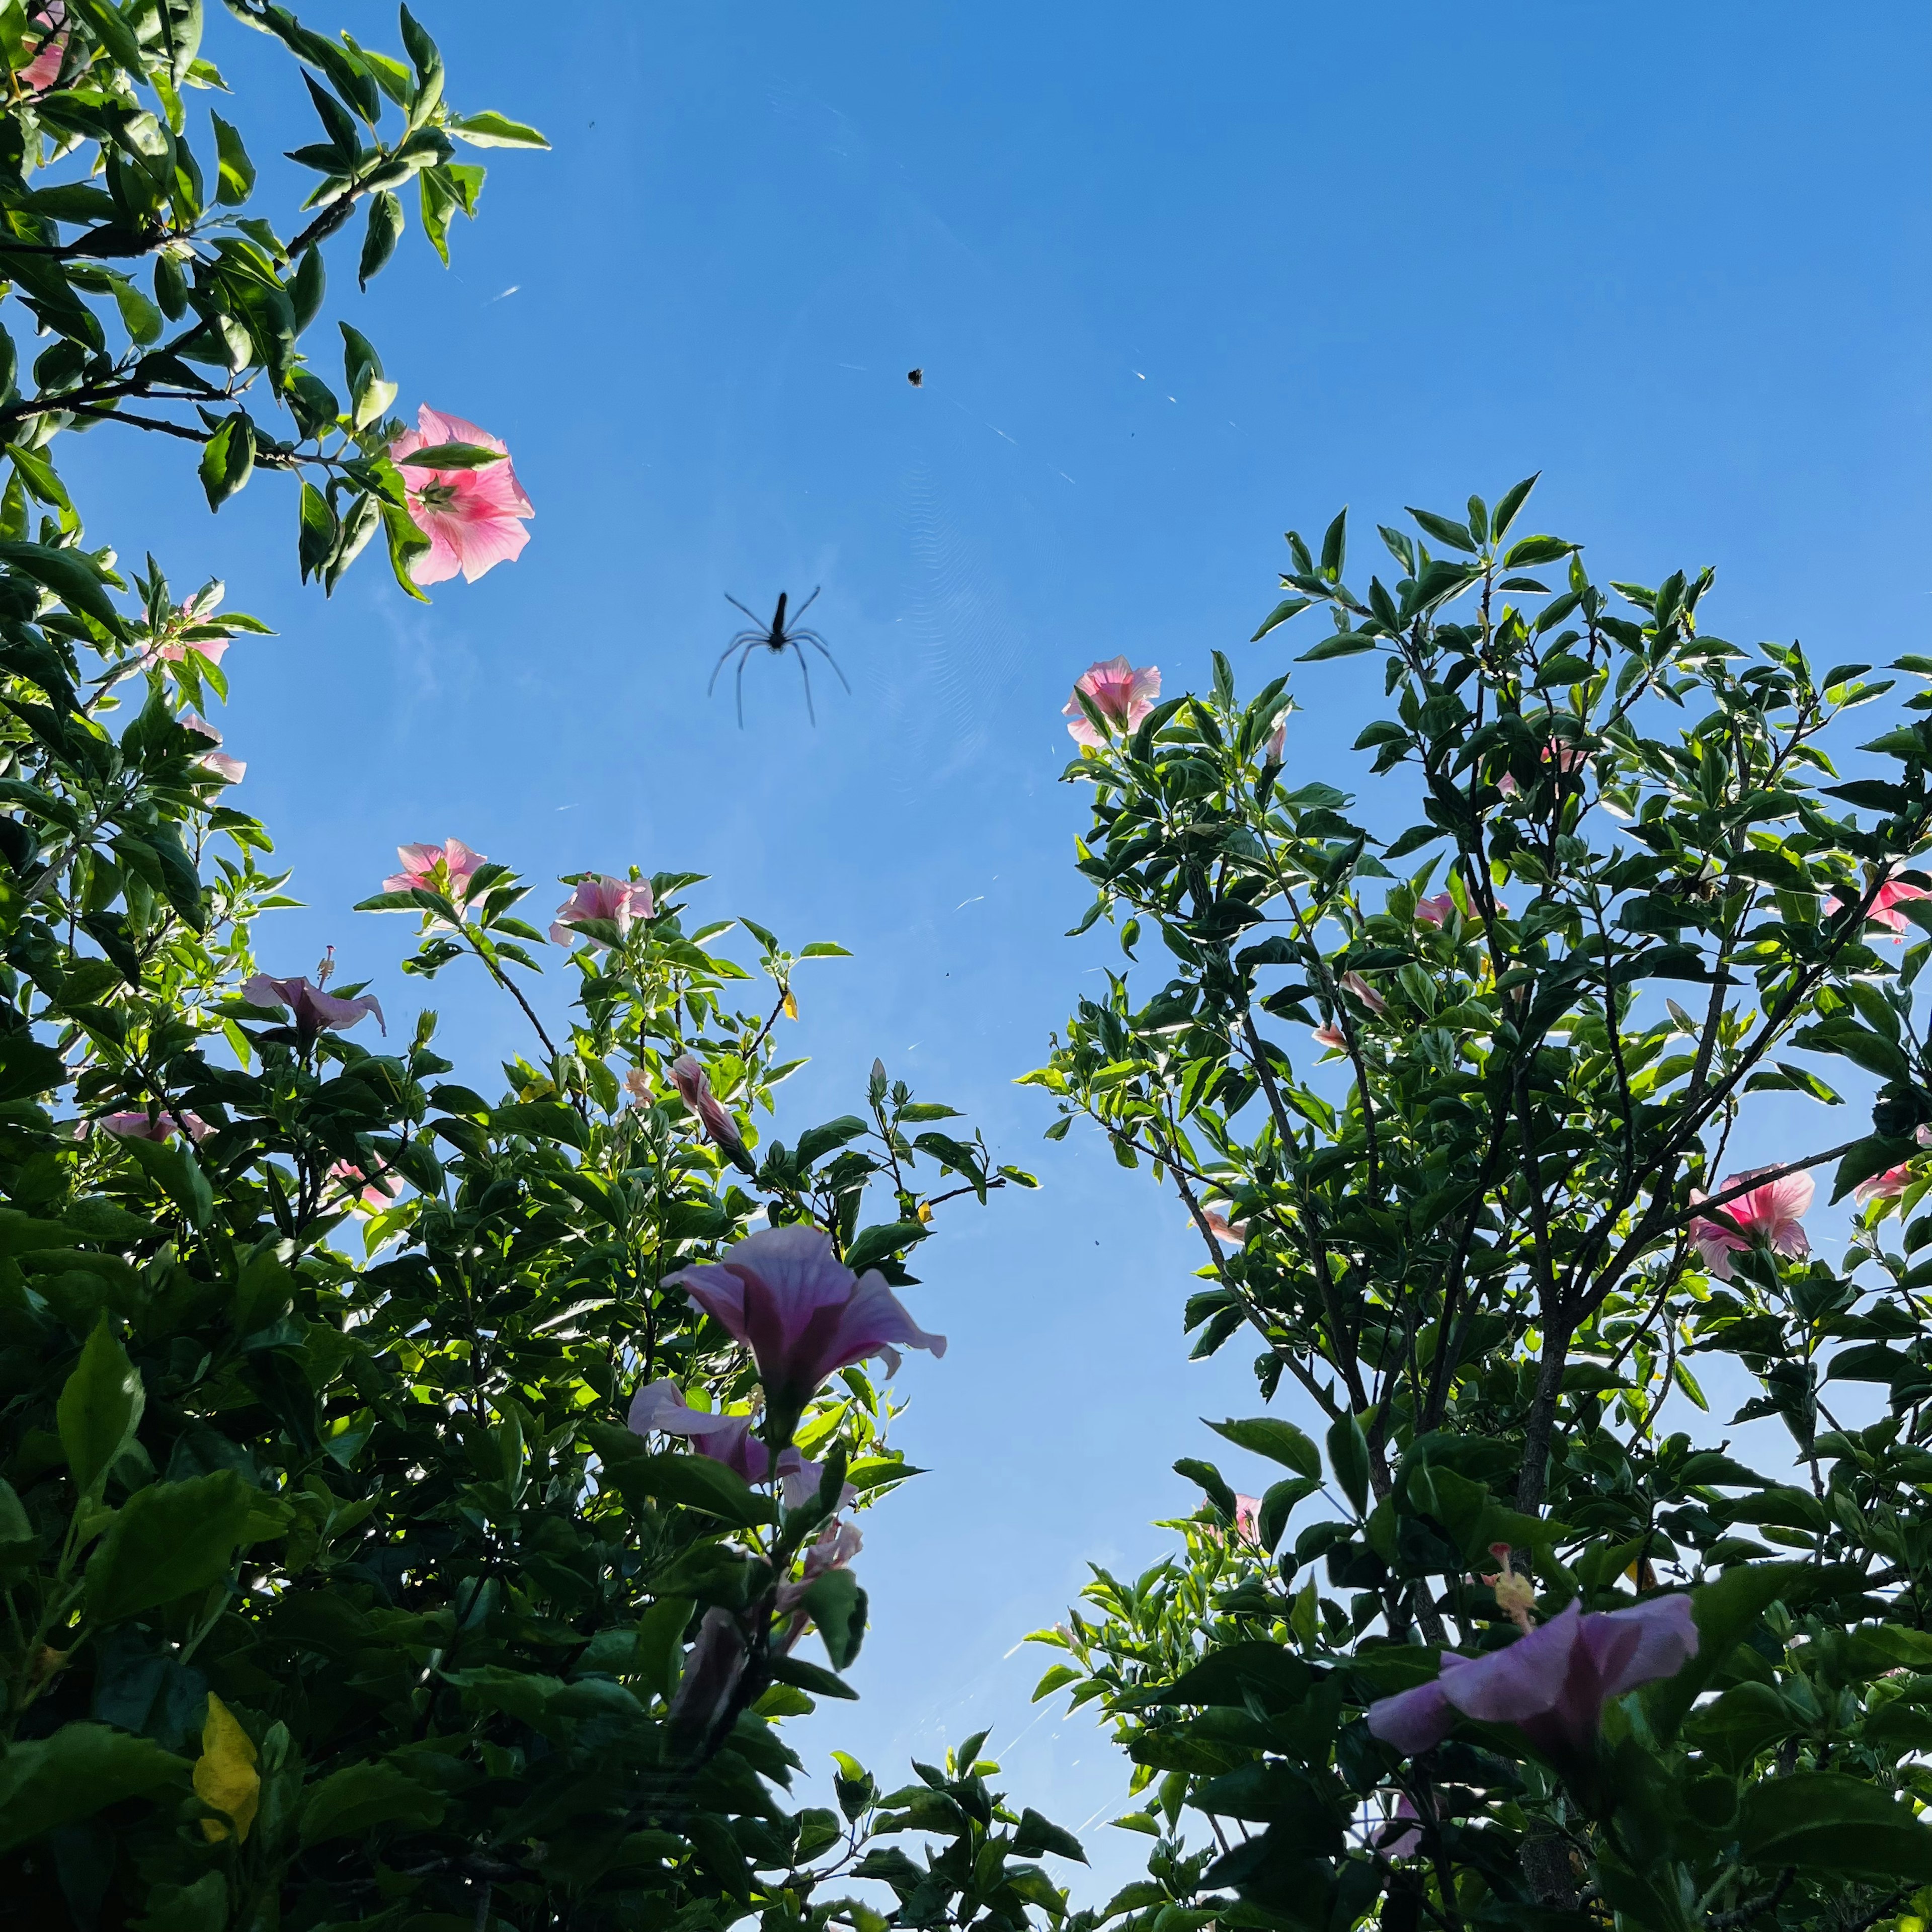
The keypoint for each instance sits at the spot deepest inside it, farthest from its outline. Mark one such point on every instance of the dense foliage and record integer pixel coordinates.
(412, 1502)
(1477, 1212)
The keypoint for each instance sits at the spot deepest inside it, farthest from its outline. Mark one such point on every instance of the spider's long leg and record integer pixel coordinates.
(741, 640)
(752, 614)
(806, 675)
(807, 604)
(818, 643)
(741, 663)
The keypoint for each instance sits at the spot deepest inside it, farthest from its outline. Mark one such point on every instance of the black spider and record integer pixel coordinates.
(774, 637)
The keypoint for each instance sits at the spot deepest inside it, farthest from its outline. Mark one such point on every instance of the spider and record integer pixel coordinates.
(775, 637)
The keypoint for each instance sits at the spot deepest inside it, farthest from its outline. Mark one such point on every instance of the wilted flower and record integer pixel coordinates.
(802, 1313)
(1122, 694)
(1230, 1234)
(1331, 1037)
(1276, 747)
(1551, 1685)
(637, 1084)
(1886, 1187)
(1354, 983)
(473, 518)
(136, 1124)
(1434, 911)
(832, 1549)
(446, 868)
(1886, 902)
(230, 771)
(1773, 1212)
(616, 902)
(1507, 785)
(41, 72)
(313, 1010)
(702, 1703)
(372, 1196)
(688, 1076)
(1247, 1519)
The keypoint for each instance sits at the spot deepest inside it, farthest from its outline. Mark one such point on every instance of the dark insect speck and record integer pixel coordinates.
(916, 377)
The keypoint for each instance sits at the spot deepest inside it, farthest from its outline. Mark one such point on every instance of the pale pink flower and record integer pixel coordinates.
(832, 1549)
(1886, 902)
(1565, 757)
(730, 1439)
(637, 1084)
(372, 1196)
(802, 1313)
(616, 902)
(1507, 785)
(1923, 1135)
(1248, 1518)
(44, 70)
(136, 1124)
(229, 771)
(1354, 983)
(473, 518)
(1434, 911)
(314, 1010)
(1276, 748)
(1330, 1037)
(195, 612)
(1772, 1212)
(1886, 1187)
(1551, 1685)
(688, 1076)
(1122, 694)
(446, 868)
(708, 1690)
(1230, 1233)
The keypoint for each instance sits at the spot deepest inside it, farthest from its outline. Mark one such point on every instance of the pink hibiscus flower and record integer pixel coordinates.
(473, 518)
(1434, 911)
(447, 868)
(371, 1196)
(1890, 896)
(1122, 694)
(615, 901)
(1886, 1187)
(41, 72)
(1332, 1037)
(314, 1010)
(1772, 1213)
(1230, 1233)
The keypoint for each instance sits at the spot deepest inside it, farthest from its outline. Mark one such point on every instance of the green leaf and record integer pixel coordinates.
(360, 1797)
(380, 238)
(1289, 606)
(1278, 1440)
(452, 456)
(171, 1166)
(1342, 644)
(1037, 1834)
(140, 316)
(171, 1539)
(80, 1769)
(1445, 529)
(879, 1243)
(1511, 501)
(1725, 1613)
(494, 131)
(228, 459)
(1348, 1457)
(804, 1676)
(1824, 1821)
(837, 1605)
(99, 1409)
(1535, 549)
(104, 21)
(75, 579)
(234, 173)
(692, 1480)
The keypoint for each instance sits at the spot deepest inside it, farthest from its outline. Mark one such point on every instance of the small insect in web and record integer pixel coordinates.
(774, 638)
(916, 377)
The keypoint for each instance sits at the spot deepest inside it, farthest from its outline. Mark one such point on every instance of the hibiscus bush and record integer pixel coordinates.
(1524, 1634)
(421, 1504)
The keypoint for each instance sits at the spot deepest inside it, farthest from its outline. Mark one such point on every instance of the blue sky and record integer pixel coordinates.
(1177, 280)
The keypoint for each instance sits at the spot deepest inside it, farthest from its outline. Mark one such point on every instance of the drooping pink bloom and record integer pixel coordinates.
(1434, 911)
(688, 1076)
(1277, 744)
(802, 1313)
(473, 518)
(1551, 1685)
(1564, 756)
(136, 1124)
(637, 1084)
(1923, 1135)
(832, 1549)
(729, 1439)
(230, 771)
(1354, 983)
(1886, 902)
(446, 868)
(1230, 1233)
(313, 1010)
(616, 902)
(1331, 1037)
(373, 1196)
(1886, 1187)
(1400, 1838)
(702, 1704)
(1248, 1519)
(1122, 694)
(41, 72)
(1507, 785)
(1773, 1213)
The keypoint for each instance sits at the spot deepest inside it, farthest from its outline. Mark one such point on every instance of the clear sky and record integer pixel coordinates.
(1178, 279)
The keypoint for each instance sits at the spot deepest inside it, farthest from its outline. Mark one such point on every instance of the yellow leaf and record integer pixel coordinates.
(925, 1211)
(225, 1775)
(791, 1005)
